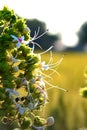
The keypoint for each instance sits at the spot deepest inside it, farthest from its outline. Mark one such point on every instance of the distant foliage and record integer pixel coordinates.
(82, 37)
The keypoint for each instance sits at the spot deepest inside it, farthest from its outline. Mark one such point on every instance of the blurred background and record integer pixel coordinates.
(67, 24)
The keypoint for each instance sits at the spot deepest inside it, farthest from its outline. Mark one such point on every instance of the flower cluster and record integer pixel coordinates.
(22, 69)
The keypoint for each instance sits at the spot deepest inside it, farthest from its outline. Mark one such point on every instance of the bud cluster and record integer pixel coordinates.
(20, 68)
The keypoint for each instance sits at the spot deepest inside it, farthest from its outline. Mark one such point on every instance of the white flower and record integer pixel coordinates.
(39, 127)
(12, 92)
(24, 81)
(19, 40)
(40, 84)
(14, 59)
(32, 80)
(15, 68)
(31, 106)
(50, 121)
(44, 66)
(21, 109)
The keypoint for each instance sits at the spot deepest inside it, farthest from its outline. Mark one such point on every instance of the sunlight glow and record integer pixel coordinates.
(64, 17)
(69, 39)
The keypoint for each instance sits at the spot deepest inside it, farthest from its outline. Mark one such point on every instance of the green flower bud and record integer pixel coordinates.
(14, 52)
(4, 66)
(31, 106)
(2, 113)
(22, 47)
(1, 22)
(26, 36)
(83, 92)
(26, 122)
(12, 112)
(15, 68)
(5, 120)
(35, 59)
(20, 25)
(18, 81)
(41, 99)
(85, 72)
(22, 65)
(25, 50)
(2, 96)
(13, 19)
(26, 30)
(39, 121)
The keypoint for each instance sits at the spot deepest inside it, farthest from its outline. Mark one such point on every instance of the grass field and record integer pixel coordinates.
(68, 108)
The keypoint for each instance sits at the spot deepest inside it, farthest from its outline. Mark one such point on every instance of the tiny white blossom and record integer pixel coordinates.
(19, 40)
(44, 66)
(31, 106)
(40, 83)
(11, 92)
(14, 60)
(39, 127)
(24, 81)
(21, 109)
(50, 121)
(32, 80)
(15, 68)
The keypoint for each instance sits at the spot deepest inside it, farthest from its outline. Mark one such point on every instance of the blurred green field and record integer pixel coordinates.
(68, 108)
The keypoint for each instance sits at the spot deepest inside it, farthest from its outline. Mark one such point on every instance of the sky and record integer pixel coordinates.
(61, 16)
